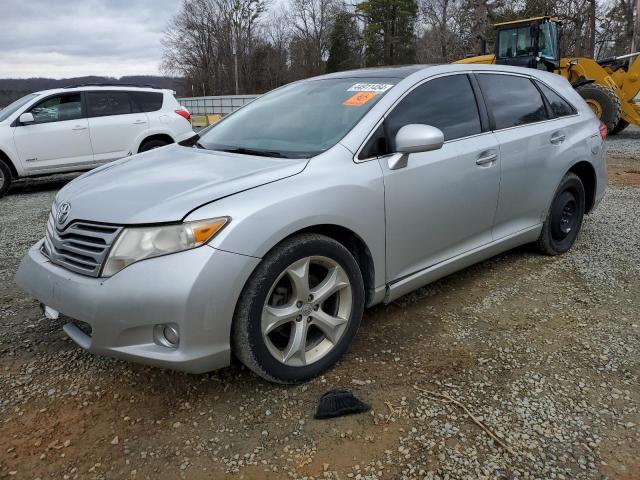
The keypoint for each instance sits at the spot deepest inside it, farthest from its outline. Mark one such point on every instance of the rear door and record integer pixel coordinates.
(114, 124)
(530, 143)
(59, 137)
(443, 202)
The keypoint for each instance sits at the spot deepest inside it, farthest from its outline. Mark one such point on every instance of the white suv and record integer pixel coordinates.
(78, 128)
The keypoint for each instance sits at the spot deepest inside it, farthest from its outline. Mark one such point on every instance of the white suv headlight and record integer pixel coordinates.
(137, 243)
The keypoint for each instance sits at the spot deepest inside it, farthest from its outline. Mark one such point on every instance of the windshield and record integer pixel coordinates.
(299, 120)
(11, 108)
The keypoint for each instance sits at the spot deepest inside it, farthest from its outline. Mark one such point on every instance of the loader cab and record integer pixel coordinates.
(531, 43)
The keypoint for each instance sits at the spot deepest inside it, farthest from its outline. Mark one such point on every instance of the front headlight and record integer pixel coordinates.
(137, 243)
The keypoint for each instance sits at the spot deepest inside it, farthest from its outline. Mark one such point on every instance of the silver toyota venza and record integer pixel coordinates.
(268, 237)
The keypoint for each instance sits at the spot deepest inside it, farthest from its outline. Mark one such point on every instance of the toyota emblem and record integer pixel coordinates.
(63, 213)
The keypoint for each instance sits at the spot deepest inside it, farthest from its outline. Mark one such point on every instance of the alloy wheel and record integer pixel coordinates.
(307, 311)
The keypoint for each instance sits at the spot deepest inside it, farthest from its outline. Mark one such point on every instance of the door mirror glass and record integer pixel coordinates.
(26, 118)
(415, 138)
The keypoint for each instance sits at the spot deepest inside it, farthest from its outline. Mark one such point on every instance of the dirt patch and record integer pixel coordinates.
(624, 170)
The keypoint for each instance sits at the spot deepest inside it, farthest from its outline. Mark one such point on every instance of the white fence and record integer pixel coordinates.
(218, 105)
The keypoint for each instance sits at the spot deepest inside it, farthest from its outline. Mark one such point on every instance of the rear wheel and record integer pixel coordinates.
(603, 101)
(299, 310)
(563, 222)
(622, 124)
(151, 144)
(5, 178)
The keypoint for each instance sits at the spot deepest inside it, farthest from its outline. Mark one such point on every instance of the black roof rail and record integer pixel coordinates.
(111, 85)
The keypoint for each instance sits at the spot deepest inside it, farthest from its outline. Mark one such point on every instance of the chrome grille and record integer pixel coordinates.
(81, 247)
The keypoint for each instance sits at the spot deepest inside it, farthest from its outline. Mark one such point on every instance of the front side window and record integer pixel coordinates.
(447, 103)
(299, 120)
(101, 104)
(515, 42)
(559, 106)
(513, 100)
(13, 107)
(58, 109)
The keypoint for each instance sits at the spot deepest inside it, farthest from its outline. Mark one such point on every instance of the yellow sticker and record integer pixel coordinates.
(359, 99)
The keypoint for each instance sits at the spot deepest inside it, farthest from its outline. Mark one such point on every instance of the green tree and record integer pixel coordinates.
(389, 32)
(344, 44)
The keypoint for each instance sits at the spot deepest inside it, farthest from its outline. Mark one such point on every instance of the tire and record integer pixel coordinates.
(151, 144)
(622, 124)
(603, 101)
(564, 220)
(273, 312)
(5, 178)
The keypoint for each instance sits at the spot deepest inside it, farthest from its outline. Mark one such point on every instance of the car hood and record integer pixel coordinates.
(165, 184)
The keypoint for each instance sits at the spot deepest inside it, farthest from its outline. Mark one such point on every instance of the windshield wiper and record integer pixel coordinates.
(250, 151)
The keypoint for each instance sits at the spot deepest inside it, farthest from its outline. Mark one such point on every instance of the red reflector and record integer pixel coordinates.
(603, 131)
(184, 114)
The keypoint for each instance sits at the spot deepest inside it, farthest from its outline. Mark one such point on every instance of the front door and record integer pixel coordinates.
(443, 202)
(58, 138)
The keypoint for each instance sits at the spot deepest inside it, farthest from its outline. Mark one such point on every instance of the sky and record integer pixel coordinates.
(70, 38)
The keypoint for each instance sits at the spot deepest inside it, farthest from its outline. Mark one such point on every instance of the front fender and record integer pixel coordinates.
(7, 149)
(330, 191)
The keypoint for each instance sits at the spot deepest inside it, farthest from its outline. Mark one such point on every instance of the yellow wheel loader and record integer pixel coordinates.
(609, 86)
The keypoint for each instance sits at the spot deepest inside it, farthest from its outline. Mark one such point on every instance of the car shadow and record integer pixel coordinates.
(41, 184)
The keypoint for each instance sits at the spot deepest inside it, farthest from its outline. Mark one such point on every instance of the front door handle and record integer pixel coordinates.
(487, 157)
(557, 138)
(79, 127)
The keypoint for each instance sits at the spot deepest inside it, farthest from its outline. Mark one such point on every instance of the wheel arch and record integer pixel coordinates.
(587, 174)
(155, 136)
(352, 242)
(5, 158)
(358, 248)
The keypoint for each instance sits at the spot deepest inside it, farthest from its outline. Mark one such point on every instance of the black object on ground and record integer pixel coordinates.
(336, 403)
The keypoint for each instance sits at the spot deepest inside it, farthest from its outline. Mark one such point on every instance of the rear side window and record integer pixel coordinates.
(559, 106)
(58, 109)
(101, 104)
(146, 101)
(447, 103)
(513, 100)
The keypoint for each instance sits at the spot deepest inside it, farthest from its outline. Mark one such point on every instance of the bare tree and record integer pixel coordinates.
(311, 22)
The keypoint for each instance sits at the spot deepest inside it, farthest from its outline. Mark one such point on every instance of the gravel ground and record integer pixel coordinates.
(625, 143)
(523, 366)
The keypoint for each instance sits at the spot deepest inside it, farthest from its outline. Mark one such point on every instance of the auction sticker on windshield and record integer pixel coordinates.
(370, 87)
(359, 99)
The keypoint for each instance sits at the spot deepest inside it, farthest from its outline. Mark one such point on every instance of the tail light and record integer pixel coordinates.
(184, 114)
(603, 131)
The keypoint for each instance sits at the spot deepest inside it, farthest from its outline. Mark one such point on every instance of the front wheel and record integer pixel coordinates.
(299, 310)
(5, 178)
(563, 222)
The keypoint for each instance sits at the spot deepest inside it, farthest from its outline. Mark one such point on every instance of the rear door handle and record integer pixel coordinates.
(79, 127)
(487, 157)
(139, 122)
(557, 138)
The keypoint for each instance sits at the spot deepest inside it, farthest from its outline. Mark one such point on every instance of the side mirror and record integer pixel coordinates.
(418, 138)
(27, 118)
(414, 138)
